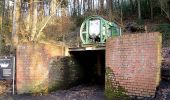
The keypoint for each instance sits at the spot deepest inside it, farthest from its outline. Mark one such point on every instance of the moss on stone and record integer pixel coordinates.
(113, 91)
(54, 87)
(64, 73)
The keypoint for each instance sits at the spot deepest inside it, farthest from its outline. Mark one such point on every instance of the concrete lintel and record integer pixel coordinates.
(86, 48)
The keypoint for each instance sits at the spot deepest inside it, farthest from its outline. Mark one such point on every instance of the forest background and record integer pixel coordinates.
(59, 20)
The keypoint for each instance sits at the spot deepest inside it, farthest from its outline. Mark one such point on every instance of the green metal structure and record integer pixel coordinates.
(95, 29)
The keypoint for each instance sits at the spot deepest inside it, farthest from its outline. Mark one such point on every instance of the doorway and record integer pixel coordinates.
(92, 63)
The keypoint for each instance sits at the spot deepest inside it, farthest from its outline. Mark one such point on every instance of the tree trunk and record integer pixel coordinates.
(53, 10)
(88, 4)
(151, 9)
(139, 9)
(74, 7)
(122, 13)
(110, 9)
(78, 7)
(93, 4)
(81, 6)
(84, 6)
(101, 6)
(98, 5)
(132, 6)
(16, 17)
(28, 20)
(34, 21)
(53, 7)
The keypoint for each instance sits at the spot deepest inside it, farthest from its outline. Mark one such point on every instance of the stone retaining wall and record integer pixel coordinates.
(64, 72)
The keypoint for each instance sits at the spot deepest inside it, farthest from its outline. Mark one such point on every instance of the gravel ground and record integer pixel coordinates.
(163, 92)
(83, 92)
(77, 93)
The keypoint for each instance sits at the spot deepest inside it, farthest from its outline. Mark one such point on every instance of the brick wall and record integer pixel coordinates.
(32, 66)
(133, 64)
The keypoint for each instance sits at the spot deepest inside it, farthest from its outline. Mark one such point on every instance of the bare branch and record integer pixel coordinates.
(38, 34)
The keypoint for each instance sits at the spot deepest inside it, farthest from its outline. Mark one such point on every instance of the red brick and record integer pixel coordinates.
(134, 61)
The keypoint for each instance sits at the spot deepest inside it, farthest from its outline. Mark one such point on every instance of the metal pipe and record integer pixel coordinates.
(13, 87)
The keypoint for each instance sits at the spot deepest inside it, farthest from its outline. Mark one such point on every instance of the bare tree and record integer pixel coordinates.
(165, 7)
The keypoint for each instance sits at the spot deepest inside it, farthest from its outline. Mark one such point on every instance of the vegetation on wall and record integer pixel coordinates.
(64, 73)
(112, 89)
(165, 30)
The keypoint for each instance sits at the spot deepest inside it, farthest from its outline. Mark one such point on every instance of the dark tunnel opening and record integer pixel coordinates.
(92, 65)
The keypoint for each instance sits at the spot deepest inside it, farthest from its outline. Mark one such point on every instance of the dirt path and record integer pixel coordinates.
(163, 92)
(76, 93)
(83, 92)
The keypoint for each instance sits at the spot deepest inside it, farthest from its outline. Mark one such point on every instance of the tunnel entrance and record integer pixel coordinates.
(92, 63)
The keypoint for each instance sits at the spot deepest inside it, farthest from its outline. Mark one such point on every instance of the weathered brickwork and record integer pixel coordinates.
(134, 61)
(32, 66)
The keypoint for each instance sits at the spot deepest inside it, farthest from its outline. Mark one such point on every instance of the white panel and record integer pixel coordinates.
(94, 27)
